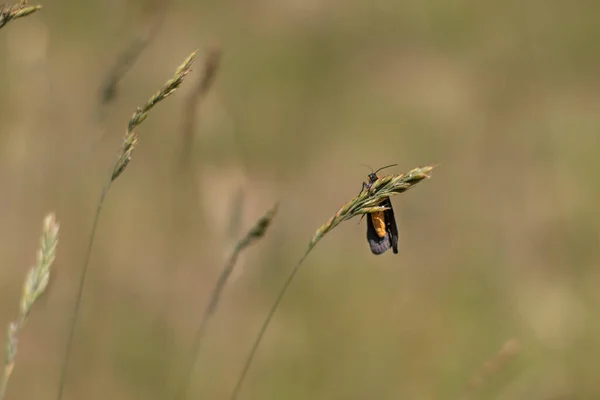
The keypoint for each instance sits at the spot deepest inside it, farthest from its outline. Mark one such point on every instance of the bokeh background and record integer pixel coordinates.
(495, 292)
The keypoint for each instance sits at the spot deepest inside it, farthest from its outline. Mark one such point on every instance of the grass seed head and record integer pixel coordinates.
(367, 201)
(131, 137)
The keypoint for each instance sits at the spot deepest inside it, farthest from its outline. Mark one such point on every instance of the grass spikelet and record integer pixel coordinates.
(35, 285)
(131, 137)
(367, 201)
(129, 143)
(18, 10)
(252, 236)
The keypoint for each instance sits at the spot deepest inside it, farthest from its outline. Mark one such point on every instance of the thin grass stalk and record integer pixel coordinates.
(19, 10)
(80, 287)
(254, 234)
(35, 285)
(236, 214)
(207, 78)
(124, 61)
(184, 188)
(127, 148)
(128, 56)
(366, 202)
(184, 200)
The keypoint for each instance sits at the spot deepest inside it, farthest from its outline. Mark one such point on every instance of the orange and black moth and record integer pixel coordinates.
(382, 232)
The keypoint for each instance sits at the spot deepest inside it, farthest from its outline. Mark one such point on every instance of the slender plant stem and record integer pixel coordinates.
(208, 313)
(73, 322)
(210, 69)
(367, 201)
(263, 328)
(254, 234)
(129, 143)
(126, 59)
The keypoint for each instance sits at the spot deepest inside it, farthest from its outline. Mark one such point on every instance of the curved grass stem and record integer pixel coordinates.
(129, 143)
(265, 325)
(82, 278)
(366, 202)
(258, 231)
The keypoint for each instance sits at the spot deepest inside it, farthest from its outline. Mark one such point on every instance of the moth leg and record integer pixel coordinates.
(364, 185)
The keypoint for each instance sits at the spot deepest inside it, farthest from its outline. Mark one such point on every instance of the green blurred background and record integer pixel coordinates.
(500, 246)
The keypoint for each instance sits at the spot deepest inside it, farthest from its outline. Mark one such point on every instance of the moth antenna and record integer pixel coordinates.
(367, 166)
(387, 166)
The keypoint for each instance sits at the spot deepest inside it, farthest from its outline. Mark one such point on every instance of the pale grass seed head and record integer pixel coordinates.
(18, 10)
(35, 284)
(38, 277)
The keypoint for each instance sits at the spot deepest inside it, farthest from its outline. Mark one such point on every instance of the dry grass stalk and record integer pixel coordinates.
(13, 12)
(129, 143)
(207, 78)
(254, 234)
(366, 202)
(127, 58)
(236, 214)
(184, 183)
(35, 285)
(509, 350)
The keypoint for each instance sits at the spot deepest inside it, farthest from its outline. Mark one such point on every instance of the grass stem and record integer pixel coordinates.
(82, 278)
(366, 202)
(258, 231)
(129, 143)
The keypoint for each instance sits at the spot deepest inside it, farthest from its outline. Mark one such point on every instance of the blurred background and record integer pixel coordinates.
(495, 291)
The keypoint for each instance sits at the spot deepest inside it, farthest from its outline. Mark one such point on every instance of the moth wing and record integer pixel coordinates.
(391, 227)
(378, 244)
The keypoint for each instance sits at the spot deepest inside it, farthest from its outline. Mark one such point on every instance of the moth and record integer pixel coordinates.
(382, 232)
